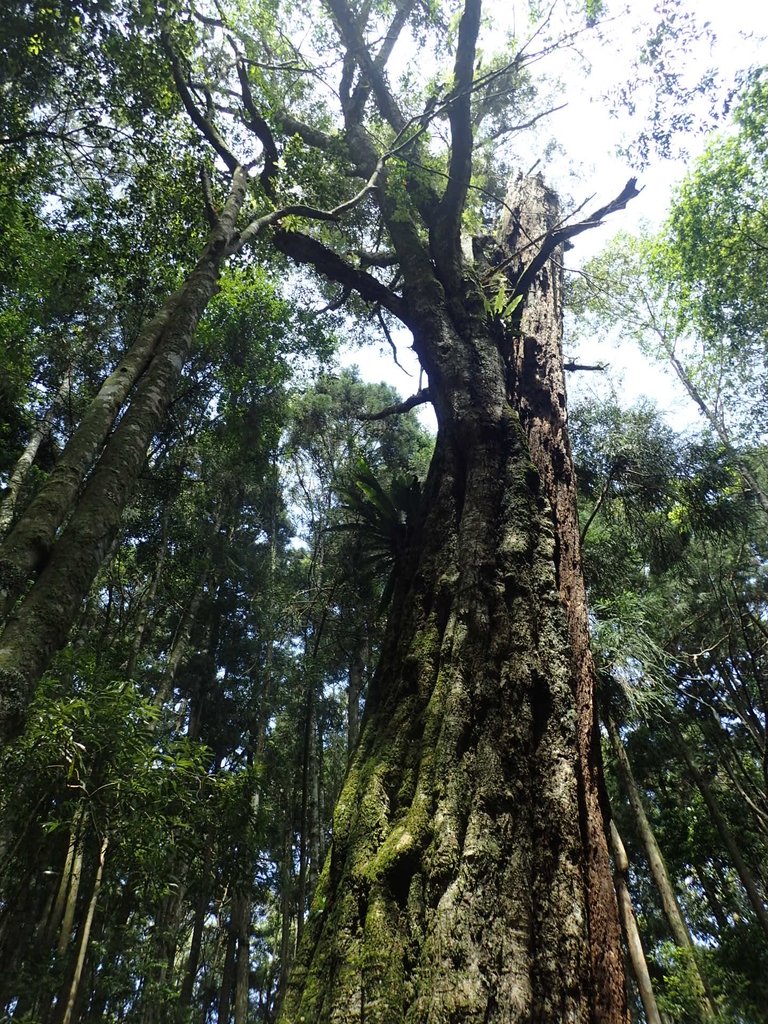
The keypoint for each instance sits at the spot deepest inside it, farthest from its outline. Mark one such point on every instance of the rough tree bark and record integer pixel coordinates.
(537, 382)
(469, 878)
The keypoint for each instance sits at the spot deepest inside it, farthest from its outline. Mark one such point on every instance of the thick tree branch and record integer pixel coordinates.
(420, 398)
(448, 221)
(353, 39)
(201, 122)
(363, 89)
(305, 249)
(259, 127)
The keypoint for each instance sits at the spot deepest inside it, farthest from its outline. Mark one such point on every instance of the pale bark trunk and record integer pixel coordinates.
(66, 883)
(750, 481)
(72, 888)
(669, 904)
(631, 933)
(718, 819)
(85, 935)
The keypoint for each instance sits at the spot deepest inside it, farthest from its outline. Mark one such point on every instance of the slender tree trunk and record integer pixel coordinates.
(71, 890)
(538, 384)
(713, 900)
(313, 809)
(85, 935)
(27, 458)
(198, 927)
(66, 883)
(631, 934)
(147, 604)
(41, 624)
(286, 903)
(677, 926)
(228, 974)
(750, 481)
(354, 689)
(718, 819)
(241, 922)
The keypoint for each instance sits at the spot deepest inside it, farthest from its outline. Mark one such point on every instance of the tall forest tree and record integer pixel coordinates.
(468, 876)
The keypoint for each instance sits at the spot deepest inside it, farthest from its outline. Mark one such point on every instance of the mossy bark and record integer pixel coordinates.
(41, 623)
(538, 384)
(457, 888)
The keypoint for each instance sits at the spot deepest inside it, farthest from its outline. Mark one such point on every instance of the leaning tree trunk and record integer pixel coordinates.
(677, 926)
(635, 950)
(24, 551)
(463, 882)
(40, 625)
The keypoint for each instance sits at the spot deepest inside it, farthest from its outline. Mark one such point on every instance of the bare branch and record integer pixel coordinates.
(258, 224)
(559, 235)
(572, 366)
(391, 343)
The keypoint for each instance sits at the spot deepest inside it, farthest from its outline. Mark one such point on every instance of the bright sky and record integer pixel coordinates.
(589, 165)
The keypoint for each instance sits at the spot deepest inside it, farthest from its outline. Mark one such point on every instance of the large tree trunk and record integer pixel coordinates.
(538, 384)
(468, 878)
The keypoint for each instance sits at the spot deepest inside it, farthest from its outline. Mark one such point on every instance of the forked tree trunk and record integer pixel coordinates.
(468, 878)
(26, 548)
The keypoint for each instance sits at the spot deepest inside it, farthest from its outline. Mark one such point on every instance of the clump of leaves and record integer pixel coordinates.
(382, 518)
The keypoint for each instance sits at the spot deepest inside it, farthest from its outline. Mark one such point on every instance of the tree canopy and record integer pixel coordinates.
(309, 713)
